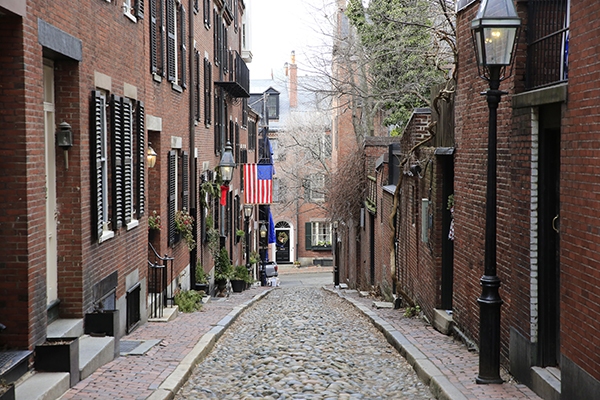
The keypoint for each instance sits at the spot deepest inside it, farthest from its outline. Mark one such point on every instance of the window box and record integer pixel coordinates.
(321, 247)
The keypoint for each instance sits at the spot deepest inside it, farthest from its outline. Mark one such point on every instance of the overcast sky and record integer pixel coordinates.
(280, 26)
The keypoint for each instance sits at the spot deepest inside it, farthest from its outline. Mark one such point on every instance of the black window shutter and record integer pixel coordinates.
(185, 181)
(216, 38)
(209, 92)
(198, 86)
(141, 160)
(153, 38)
(172, 159)
(97, 124)
(206, 94)
(237, 143)
(138, 8)
(116, 119)
(207, 13)
(161, 38)
(308, 235)
(171, 40)
(183, 47)
(127, 145)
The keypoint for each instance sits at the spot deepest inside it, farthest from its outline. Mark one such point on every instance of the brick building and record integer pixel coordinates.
(112, 77)
(546, 256)
(300, 137)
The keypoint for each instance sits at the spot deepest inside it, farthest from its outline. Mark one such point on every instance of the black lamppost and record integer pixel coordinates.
(247, 214)
(226, 167)
(494, 32)
(263, 239)
(336, 267)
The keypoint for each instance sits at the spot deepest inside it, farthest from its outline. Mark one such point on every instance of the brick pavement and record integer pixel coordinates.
(138, 377)
(451, 357)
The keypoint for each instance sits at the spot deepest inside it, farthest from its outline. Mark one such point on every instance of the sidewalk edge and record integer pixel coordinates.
(439, 384)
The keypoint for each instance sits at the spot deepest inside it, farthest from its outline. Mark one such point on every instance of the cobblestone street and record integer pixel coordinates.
(303, 343)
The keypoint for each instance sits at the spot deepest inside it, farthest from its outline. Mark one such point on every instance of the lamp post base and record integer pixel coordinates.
(489, 331)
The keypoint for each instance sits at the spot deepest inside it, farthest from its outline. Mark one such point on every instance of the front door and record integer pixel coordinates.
(282, 244)
(50, 169)
(549, 237)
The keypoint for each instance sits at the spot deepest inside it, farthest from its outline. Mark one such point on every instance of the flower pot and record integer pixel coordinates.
(238, 285)
(59, 355)
(202, 287)
(7, 392)
(103, 322)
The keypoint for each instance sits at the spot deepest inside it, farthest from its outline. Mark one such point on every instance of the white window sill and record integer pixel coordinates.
(133, 224)
(129, 15)
(156, 77)
(176, 87)
(106, 235)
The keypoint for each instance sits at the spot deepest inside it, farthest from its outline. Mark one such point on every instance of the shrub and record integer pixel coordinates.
(189, 301)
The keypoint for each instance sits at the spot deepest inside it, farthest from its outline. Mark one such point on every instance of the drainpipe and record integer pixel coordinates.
(192, 159)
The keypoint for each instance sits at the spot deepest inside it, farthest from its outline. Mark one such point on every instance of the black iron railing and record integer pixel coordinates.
(158, 283)
(236, 75)
(547, 42)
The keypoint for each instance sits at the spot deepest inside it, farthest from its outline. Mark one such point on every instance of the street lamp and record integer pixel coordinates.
(151, 155)
(247, 214)
(263, 238)
(494, 31)
(227, 164)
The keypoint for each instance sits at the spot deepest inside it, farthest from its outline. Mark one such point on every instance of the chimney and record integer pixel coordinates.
(293, 81)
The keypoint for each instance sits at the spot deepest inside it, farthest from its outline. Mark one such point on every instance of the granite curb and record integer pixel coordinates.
(170, 386)
(439, 384)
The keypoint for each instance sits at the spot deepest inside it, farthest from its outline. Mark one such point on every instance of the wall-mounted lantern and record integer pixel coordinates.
(151, 156)
(64, 139)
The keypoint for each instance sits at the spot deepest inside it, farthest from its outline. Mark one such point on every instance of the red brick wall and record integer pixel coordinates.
(580, 238)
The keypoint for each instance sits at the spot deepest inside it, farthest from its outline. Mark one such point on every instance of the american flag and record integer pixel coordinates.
(258, 183)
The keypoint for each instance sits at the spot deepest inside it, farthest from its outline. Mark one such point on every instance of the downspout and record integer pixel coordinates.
(192, 158)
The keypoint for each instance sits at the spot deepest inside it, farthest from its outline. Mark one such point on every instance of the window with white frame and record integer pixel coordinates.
(133, 9)
(315, 187)
(118, 138)
(318, 235)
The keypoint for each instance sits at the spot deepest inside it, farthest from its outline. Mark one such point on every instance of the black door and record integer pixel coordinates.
(282, 243)
(447, 163)
(549, 244)
(372, 247)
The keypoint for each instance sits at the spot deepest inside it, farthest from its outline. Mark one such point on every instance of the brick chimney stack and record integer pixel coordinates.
(293, 68)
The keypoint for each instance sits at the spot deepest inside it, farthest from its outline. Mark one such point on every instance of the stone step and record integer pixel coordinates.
(546, 382)
(169, 314)
(62, 328)
(94, 352)
(43, 386)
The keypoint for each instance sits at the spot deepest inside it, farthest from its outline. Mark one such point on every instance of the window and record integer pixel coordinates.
(178, 184)
(120, 155)
(318, 235)
(251, 135)
(176, 44)
(244, 113)
(133, 9)
(273, 106)
(206, 14)
(207, 92)
(157, 39)
(315, 187)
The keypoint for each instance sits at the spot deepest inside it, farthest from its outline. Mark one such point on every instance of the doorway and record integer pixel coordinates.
(282, 242)
(549, 236)
(50, 171)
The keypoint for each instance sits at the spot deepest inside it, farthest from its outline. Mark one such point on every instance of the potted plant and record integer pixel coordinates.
(184, 224)
(153, 224)
(240, 278)
(223, 270)
(201, 279)
(59, 355)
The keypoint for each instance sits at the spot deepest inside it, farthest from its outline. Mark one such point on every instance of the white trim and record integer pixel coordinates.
(533, 228)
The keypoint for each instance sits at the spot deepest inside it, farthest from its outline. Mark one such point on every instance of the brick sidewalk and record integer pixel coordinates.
(451, 357)
(137, 377)
(286, 269)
